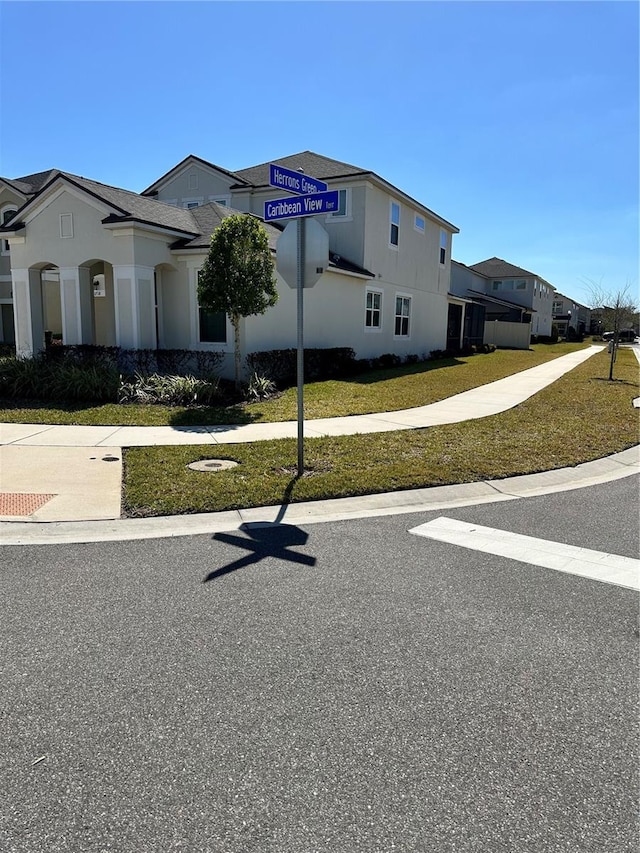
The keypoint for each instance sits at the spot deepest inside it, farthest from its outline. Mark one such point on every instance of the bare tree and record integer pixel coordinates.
(618, 309)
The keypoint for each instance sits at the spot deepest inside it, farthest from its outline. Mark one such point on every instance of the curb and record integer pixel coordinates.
(605, 470)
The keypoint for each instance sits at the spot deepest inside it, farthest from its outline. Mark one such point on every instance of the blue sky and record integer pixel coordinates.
(516, 121)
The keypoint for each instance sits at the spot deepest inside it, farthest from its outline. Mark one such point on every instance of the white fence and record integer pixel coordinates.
(512, 335)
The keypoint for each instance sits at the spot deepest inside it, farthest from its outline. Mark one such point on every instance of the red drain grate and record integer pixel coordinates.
(13, 503)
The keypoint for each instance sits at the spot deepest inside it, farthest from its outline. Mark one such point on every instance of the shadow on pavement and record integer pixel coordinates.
(263, 540)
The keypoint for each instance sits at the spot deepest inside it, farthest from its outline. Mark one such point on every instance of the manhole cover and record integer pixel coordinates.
(212, 465)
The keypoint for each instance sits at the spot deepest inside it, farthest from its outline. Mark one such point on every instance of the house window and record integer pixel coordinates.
(223, 200)
(443, 246)
(373, 311)
(419, 223)
(213, 327)
(394, 230)
(496, 285)
(344, 206)
(403, 313)
(192, 202)
(7, 214)
(66, 225)
(521, 284)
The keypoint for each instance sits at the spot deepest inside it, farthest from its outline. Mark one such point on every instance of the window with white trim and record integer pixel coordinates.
(66, 225)
(419, 223)
(443, 246)
(224, 200)
(192, 202)
(7, 214)
(403, 315)
(344, 205)
(373, 310)
(394, 224)
(212, 326)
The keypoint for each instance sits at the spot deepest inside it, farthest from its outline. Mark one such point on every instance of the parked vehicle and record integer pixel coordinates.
(624, 336)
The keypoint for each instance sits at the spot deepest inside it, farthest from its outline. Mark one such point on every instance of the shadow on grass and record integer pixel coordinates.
(614, 381)
(213, 415)
(383, 374)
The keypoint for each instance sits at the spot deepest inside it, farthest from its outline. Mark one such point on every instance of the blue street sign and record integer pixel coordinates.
(294, 182)
(303, 205)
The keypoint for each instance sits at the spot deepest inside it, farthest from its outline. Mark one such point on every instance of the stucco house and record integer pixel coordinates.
(569, 314)
(103, 265)
(503, 303)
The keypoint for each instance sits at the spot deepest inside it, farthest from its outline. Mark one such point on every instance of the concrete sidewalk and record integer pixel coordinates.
(62, 474)
(478, 403)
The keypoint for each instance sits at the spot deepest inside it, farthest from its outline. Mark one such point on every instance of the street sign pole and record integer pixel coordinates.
(300, 354)
(313, 197)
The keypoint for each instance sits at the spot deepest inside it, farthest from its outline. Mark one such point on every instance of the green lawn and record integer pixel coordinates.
(580, 417)
(381, 390)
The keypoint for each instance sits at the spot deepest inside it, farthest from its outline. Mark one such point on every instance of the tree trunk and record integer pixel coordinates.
(235, 322)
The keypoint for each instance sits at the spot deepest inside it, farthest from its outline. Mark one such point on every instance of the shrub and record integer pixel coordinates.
(259, 388)
(386, 360)
(281, 365)
(129, 362)
(59, 379)
(169, 390)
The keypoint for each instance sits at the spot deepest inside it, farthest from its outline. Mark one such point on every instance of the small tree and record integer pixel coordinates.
(617, 308)
(237, 277)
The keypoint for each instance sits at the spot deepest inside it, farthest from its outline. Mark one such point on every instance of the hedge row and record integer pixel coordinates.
(129, 362)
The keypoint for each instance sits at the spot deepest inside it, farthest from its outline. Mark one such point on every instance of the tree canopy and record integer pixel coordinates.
(237, 277)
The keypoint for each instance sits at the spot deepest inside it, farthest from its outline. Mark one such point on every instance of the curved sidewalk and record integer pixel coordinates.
(63, 484)
(490, 399)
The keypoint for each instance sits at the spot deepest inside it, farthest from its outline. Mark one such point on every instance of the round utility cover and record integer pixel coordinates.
(212, 465)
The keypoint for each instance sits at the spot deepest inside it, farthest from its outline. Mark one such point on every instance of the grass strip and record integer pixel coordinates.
(377, 391)
(578, 418)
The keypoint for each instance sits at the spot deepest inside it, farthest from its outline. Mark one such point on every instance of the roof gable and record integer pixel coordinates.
(191, 159)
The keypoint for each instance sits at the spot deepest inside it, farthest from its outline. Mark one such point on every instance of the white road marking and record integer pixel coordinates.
(608, 568)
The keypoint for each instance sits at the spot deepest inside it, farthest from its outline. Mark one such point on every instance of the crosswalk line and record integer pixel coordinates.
(597, 565)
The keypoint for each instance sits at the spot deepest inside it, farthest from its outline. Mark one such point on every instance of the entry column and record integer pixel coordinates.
(27, 312)
(76, 296)
(135, 307)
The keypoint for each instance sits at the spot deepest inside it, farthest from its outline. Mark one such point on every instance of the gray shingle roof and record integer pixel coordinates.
(137, 207)
(497, 268)
(207, 217)
(314, 165)
(33, 183)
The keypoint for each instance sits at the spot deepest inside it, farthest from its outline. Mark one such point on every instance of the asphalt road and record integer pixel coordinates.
(348, 687)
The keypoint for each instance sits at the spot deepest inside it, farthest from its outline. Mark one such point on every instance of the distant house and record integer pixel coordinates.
(569, 314)
(98, 264)
(504, 304)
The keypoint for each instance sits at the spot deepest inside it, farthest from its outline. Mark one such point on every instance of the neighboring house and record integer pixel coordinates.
(99, 264)
(501, 293)
(13, 195)
(570, 314)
